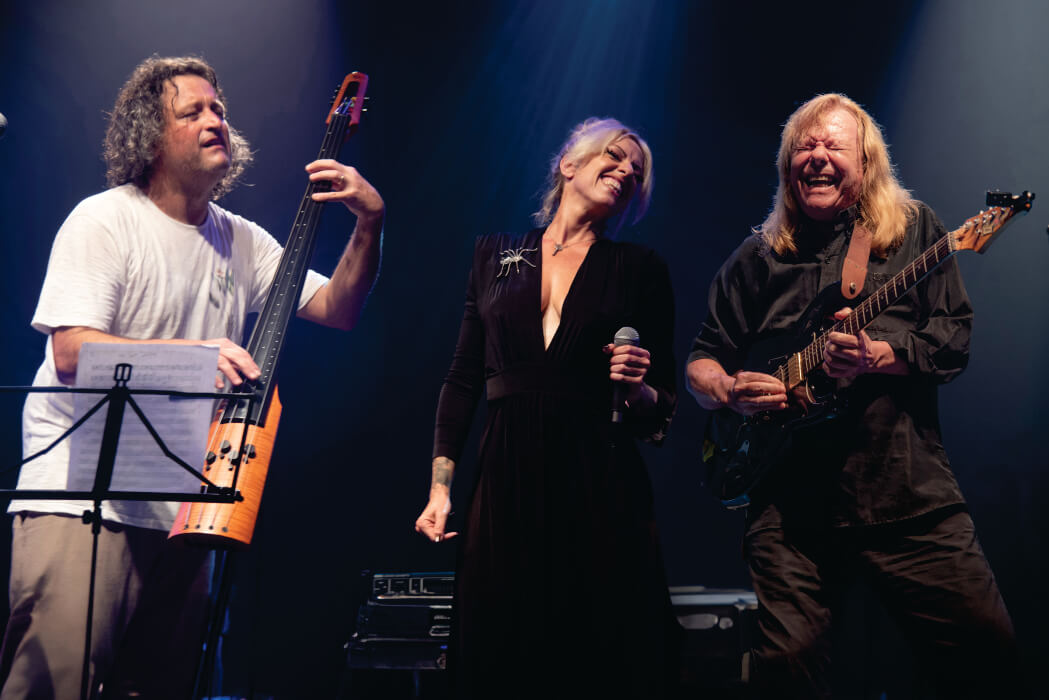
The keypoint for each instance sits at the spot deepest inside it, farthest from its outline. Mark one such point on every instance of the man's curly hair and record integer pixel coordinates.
(136, 124)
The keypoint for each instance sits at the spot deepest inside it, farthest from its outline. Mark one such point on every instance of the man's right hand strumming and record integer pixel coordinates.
(744, 392)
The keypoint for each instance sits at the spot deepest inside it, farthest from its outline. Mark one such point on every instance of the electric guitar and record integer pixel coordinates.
(243, 431)
(740, 450)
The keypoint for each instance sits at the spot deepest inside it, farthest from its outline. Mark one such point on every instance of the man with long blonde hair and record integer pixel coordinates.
(868, 494)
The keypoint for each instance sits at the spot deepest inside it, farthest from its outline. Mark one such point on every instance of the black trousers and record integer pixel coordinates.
(932, 576)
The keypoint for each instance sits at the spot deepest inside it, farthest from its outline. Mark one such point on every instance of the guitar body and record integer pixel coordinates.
(239, 454)
(740, 452)
(743, 449)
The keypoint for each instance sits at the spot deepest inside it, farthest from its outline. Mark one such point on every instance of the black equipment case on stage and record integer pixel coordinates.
(404, 620)
(400, 644)
(719, 629)
(404, 623)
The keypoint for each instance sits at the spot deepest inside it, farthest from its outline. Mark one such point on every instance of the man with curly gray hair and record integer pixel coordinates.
(136, 125)
(152, 259)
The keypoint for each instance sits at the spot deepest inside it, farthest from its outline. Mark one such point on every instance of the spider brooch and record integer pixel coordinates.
(514, 257)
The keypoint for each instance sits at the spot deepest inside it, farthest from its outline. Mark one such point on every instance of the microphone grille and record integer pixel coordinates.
(626, 336)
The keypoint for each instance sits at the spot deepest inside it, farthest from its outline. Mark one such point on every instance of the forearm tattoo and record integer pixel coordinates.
(442, 471)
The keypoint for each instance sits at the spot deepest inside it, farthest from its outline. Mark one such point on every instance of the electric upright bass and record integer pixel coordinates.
(244, 428)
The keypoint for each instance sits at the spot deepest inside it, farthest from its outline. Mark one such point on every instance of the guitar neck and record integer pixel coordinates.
(796, 369)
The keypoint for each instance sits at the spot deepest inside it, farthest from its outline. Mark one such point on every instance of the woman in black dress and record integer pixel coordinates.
(560, 589)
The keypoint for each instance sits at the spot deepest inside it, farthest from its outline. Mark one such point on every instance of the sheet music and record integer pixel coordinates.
(181, 423)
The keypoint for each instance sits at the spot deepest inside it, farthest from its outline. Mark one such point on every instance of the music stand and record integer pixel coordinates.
(118, 398)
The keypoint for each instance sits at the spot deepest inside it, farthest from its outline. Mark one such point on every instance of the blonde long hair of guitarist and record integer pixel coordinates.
(885, 207)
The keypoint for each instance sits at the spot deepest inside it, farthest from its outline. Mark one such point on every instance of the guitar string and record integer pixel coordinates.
(812, 355)
(995, 218)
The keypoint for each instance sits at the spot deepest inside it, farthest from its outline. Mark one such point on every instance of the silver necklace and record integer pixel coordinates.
(559, 247)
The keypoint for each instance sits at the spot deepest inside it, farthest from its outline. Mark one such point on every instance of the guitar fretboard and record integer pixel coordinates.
(975, 234)
(793, 372)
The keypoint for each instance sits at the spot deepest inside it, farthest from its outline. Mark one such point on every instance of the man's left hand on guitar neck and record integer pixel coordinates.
(847, 356)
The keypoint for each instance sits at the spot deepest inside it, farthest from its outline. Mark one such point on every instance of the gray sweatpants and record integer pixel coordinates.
(150, 607)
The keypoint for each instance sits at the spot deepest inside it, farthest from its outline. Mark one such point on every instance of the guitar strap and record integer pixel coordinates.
(854, 269)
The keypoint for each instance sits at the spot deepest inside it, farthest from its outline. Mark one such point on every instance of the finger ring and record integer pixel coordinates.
(342, 180)
(437, 538)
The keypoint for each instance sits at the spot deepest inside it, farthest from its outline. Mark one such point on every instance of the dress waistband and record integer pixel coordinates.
(537, 379)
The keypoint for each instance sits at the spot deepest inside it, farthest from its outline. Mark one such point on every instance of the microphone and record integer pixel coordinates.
(3, 125)
(624, 336)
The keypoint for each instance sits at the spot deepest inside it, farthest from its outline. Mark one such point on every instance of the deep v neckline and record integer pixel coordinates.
(564, 302)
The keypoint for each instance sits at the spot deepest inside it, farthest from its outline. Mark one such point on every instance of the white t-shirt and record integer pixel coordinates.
(122, 266)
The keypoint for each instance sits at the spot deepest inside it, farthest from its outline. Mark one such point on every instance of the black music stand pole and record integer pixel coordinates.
(217, 620)
(118, 398)
(107, 455)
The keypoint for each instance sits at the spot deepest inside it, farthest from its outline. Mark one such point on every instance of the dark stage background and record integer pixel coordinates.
(469, 101)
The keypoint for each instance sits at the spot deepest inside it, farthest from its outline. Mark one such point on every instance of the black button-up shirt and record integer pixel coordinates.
(882, 459)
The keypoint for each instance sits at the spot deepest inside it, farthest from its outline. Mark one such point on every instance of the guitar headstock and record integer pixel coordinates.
(978, 231)
(349, 100)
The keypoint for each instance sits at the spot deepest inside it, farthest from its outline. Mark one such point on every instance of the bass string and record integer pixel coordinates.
(306, 217)
(265, 346)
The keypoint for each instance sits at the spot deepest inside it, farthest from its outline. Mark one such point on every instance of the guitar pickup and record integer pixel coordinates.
(222, 491)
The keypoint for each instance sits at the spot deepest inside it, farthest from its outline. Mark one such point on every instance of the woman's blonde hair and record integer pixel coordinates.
(587, 140)
(885, 207)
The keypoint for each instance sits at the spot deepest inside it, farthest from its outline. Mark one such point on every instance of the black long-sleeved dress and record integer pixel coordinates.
(560, 585)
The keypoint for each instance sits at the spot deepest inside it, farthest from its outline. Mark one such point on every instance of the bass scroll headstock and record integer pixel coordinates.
(349, 101)
(978, 231)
